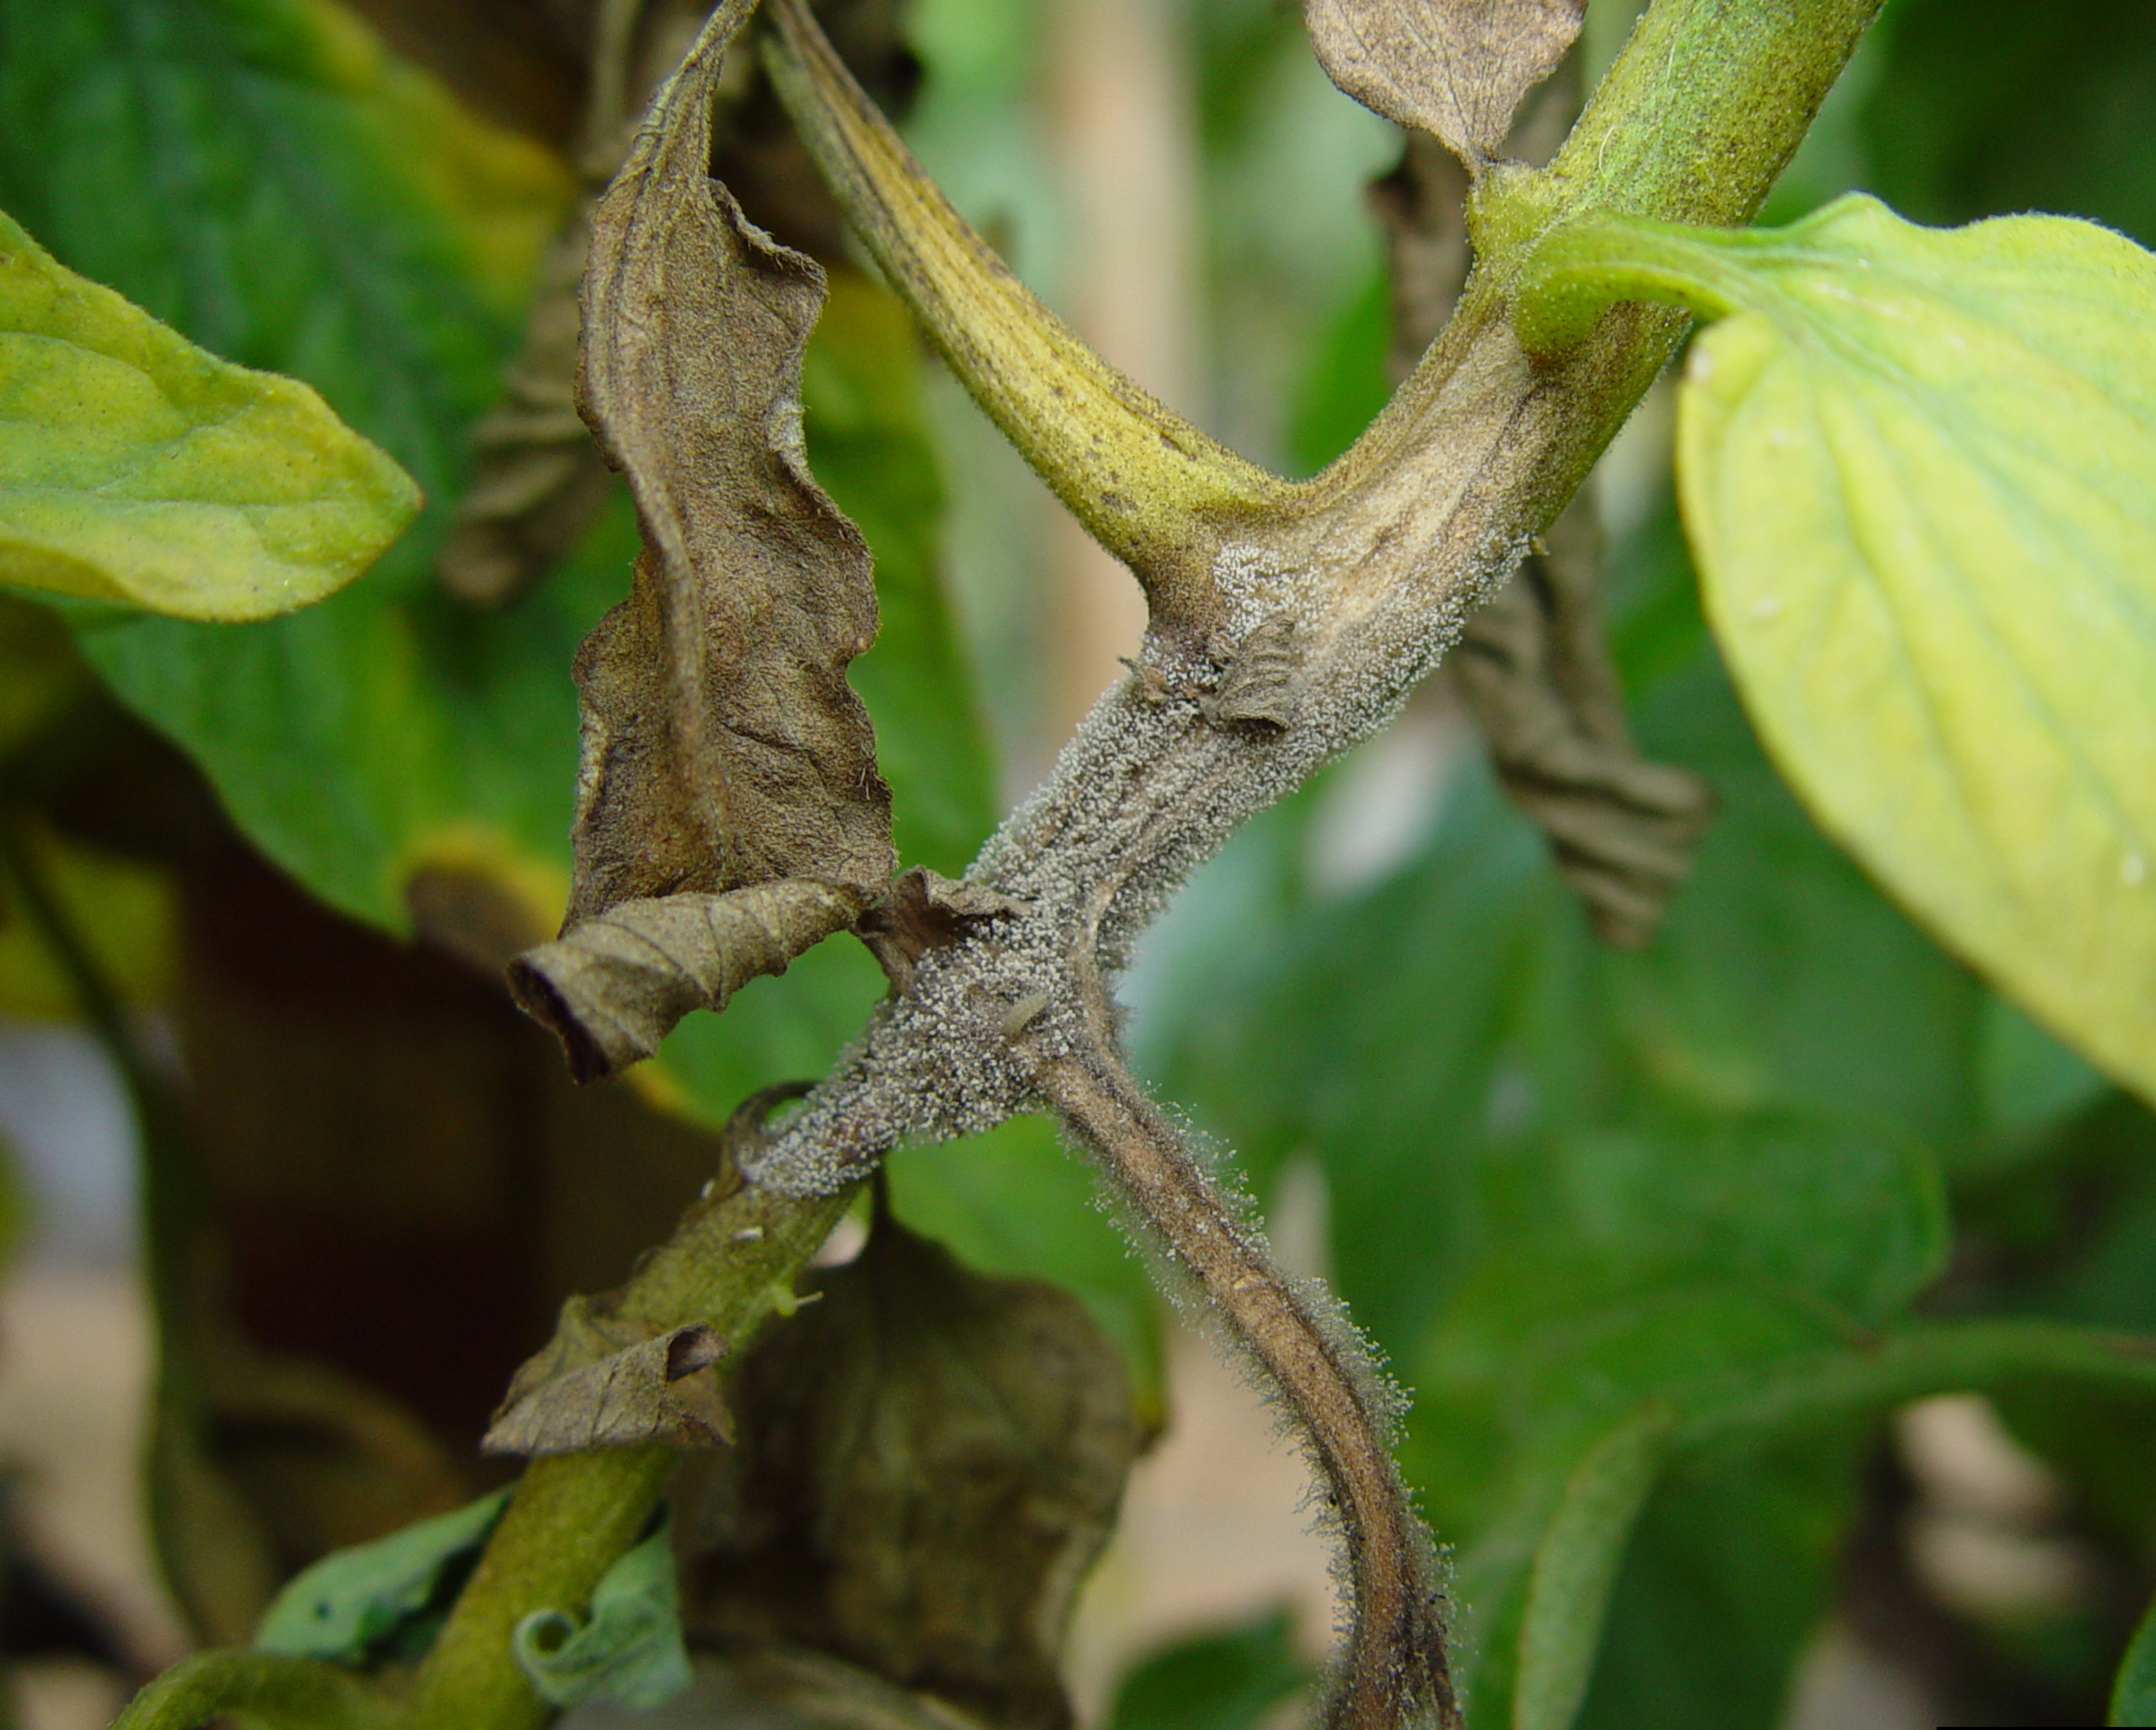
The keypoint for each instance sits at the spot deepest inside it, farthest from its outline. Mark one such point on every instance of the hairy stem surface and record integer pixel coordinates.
(1393, 1671)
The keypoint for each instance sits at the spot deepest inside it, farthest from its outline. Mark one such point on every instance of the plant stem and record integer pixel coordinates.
(1585, 265)
(573, 1517)
(1395, 1672)
(1703, 109)
(1153, 491)
(271, 1690)
(1693, 123)
(731, 1263)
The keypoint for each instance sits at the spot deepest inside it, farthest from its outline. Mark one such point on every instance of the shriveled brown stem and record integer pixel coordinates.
(1393, 1671)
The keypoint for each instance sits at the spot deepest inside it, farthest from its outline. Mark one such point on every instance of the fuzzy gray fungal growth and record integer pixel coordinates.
(1394, 1672)
(1334, 617)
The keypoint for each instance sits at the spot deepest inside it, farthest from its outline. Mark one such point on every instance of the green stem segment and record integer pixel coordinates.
(260, 1690)
(572, 1518)
(1146, 484)
(731, 1263)
(1703, 111)
(1698, 117)
(1581, 269)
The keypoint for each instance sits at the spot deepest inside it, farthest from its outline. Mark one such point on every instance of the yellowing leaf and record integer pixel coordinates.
(135, 467)
(1918, 471)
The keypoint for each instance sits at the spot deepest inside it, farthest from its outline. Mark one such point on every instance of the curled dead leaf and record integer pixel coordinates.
(722, 745)
(567, 1398)
(1457, 69)
(611, 988)
(930, 1459)
(538, 481)
(1534, 665)
(1257, 687)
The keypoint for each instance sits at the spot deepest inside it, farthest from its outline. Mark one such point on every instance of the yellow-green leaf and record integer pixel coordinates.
(1918, 471)
(126, 910)
(137, 467)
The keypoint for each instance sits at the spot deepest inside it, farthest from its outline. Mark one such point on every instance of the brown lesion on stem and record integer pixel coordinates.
(1395, 1671)
(1534, 665)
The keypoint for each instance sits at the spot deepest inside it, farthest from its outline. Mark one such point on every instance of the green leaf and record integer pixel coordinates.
(1723, 1588)
(1228, 1680)
(1748, 1196)
(351, 1602)
(2133, 1699)
(137, 467)
(628, 1650)
(1782, 978)
(264, 176)
(1937, 594)
(1916, 468)
(1575, 1567)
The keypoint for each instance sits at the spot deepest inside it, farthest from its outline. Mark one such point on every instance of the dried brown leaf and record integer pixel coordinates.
(722, 745)
(1534, 666)
(1422, 205)
(1457, 69)
(1257, 687)
(538, 480)
(595, 1385)
(929, 1460)
(612, 987)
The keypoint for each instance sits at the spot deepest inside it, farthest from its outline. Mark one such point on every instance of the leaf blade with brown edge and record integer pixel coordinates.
(756, 760)
(1454, 68)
